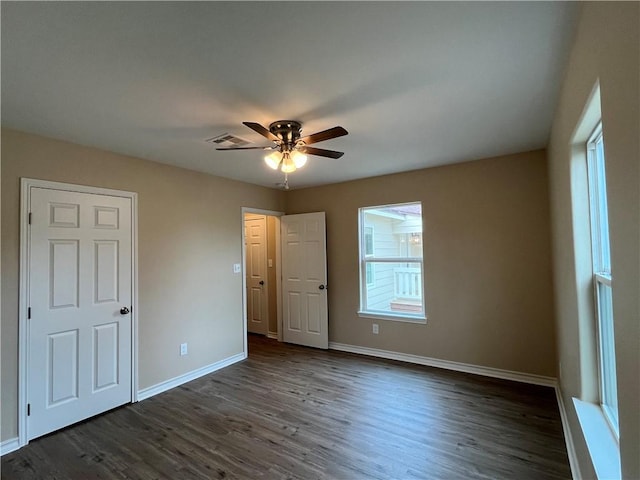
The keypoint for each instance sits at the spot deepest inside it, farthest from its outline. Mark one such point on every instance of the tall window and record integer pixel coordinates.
(391, 273)
(602, 276)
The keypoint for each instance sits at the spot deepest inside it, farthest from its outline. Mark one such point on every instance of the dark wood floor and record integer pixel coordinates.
(294, 412)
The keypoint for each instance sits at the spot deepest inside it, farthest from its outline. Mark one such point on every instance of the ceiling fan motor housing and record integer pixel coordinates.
(288, 131)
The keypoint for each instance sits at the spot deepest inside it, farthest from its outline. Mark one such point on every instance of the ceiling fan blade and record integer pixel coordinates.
(256, 127)
(321, 152)
(245, 148)
(324, 135)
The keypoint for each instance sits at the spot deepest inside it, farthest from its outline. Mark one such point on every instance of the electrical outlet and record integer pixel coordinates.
(376, 330)
(183, 349)
(270, 262)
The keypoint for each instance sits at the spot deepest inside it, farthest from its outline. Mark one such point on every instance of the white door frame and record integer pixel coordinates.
(270, 213)
(26, 184)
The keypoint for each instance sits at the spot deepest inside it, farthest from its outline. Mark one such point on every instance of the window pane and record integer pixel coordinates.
(397, 288)
(370, 268)
(604, 256)
(398, 231)
(368, 241)
(607, 354)
(598, 203)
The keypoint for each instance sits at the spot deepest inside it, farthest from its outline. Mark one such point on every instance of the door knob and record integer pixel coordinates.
(321, 287)
(124, 311)
(261, 282)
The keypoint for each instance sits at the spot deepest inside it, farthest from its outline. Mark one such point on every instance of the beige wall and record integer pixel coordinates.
(189, 237)
(486, 256)
(607, 48)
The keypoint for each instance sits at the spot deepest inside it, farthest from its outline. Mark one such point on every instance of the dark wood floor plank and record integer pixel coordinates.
(294, 412)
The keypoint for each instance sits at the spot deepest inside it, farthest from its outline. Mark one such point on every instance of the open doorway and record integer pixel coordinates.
(298, 259)
(261, 271)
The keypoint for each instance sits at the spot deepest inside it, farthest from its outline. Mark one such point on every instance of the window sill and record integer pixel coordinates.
(602, 445)
(395, 317)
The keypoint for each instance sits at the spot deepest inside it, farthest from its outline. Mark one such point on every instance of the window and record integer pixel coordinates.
(602, 276)
(391, 269)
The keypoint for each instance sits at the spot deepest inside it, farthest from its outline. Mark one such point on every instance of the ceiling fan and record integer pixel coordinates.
(290, 148)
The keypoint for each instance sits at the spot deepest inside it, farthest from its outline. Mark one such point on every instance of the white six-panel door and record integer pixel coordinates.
(256, 272)
(304, 280)
(79, 340)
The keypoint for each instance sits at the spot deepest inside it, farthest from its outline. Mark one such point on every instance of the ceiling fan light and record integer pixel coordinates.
(299, 159)
(273, 160)
(287, 164)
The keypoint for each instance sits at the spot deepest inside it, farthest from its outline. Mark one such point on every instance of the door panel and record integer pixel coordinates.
(80, 270)
(106, 217)
(256, 272)
(63, 273)
(105, 356)
(313, 313)
(292, 311)
(62, 367)
(304, 273)
(64, 215)
(106, 271)
(314, 259)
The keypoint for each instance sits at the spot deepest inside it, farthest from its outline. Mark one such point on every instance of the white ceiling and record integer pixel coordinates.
(416, 84)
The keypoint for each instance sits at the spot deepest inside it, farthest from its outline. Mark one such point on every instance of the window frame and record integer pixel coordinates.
(371, 259)
(602, 279)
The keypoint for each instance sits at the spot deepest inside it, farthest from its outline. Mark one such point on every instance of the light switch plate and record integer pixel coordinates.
(237, 268)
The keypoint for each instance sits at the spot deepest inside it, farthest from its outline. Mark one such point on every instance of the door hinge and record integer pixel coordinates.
(29, 313)
(29, 218)
(28, 409)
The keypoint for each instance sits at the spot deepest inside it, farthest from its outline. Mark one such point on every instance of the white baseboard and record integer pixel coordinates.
(9, 445)
(447, 364)
(568, 438)
(273, 335)
(187, 377)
